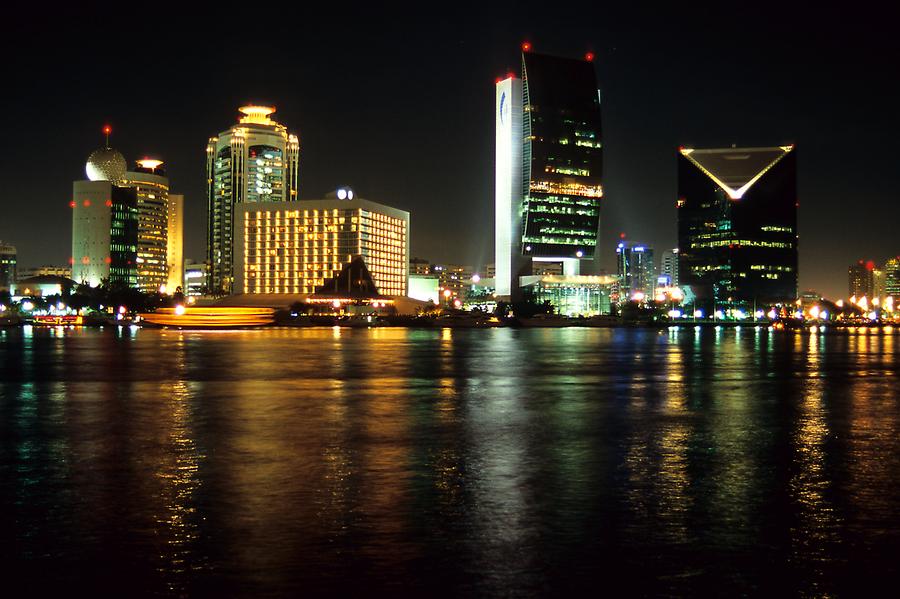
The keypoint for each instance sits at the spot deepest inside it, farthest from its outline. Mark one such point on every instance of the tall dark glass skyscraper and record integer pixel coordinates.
(737, 226)
(548, 165)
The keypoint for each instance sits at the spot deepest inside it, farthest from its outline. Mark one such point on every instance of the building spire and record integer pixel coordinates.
(106, 131)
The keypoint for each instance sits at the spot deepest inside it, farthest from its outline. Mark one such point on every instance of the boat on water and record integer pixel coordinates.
(208, 317)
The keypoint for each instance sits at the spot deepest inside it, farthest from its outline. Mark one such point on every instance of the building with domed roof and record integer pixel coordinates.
(255, 161)
(104, 222)
(126, 227)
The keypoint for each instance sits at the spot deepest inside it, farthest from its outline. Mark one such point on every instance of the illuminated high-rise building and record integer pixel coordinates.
(635, 269)
(104, 222)
(861, 279)
(737, 226)
(668, 266)
(148, 178)
(254, 161)
(548, 166)
(175, 243)
(7, 266)
(892, 278)
(879, 281)
(294, 247)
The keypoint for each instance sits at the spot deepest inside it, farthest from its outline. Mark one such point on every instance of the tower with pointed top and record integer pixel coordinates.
(737, 226)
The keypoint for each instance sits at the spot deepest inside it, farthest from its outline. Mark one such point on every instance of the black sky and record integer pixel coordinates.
(397, 101)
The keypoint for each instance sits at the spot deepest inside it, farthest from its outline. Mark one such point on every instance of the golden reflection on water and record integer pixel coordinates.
(288, 455)
(816, 529)
(178, 466)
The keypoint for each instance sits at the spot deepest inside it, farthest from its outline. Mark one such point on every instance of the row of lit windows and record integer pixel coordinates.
(569, 188)
(742, 243)
(770, 267)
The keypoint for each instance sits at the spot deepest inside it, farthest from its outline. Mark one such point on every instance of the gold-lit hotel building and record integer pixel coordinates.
(294, 247)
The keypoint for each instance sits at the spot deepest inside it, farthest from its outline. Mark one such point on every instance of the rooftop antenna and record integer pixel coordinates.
(106, 131)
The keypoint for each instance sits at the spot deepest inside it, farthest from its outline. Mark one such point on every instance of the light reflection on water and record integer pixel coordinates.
(449, 461)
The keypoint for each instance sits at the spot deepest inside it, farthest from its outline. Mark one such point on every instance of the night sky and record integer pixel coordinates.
(398, 103)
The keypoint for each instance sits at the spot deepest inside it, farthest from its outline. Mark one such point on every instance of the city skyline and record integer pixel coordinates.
(363, 119)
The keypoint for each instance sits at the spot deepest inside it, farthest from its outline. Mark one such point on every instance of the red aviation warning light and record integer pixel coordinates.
(589, 57)
(526, 46)
(107, 129)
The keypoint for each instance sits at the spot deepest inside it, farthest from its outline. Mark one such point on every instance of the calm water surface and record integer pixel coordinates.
(469, 463)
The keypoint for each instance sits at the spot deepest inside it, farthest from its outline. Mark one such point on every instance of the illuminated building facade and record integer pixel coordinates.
(104, 233)
(424, 288)
(548, 166)
(878, 282)
(737, 226)
(453, 277)
(419, 266)
(861, 279)
(194, 283)
(7, 266)
(175, 243)
(294, 247)
(56, 271)
(668, 266)
(573, 295)
(636, 270)
(151, 186)
(892, 277)
(255, 161)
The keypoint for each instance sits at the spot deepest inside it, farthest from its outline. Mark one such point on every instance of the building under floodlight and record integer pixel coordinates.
(548, 168)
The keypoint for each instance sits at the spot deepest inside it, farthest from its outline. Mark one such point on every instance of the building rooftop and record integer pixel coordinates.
(735, 169)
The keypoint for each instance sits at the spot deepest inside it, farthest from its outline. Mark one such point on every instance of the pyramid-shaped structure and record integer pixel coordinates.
(353, 282)
(735, 170)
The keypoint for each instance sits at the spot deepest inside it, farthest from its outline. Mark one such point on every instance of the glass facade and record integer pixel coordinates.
(152, 189)
(295, 249)
(636, 269)
(892, 277)
(562, 157)
(574, 295)
(123, 237)
(861, 280)
(257, 160)
(737, 226)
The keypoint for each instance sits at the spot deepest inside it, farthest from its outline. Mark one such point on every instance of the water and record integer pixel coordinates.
(439, 462)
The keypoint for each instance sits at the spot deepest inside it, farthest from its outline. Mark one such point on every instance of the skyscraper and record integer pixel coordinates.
(148, 178)
(636, 269)
(175, 243)
(104, 222)
(737, 226)
(7, 266)
(861, 280)
(669, 266)
(548, 166)
(892, 278)
(253, 161)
